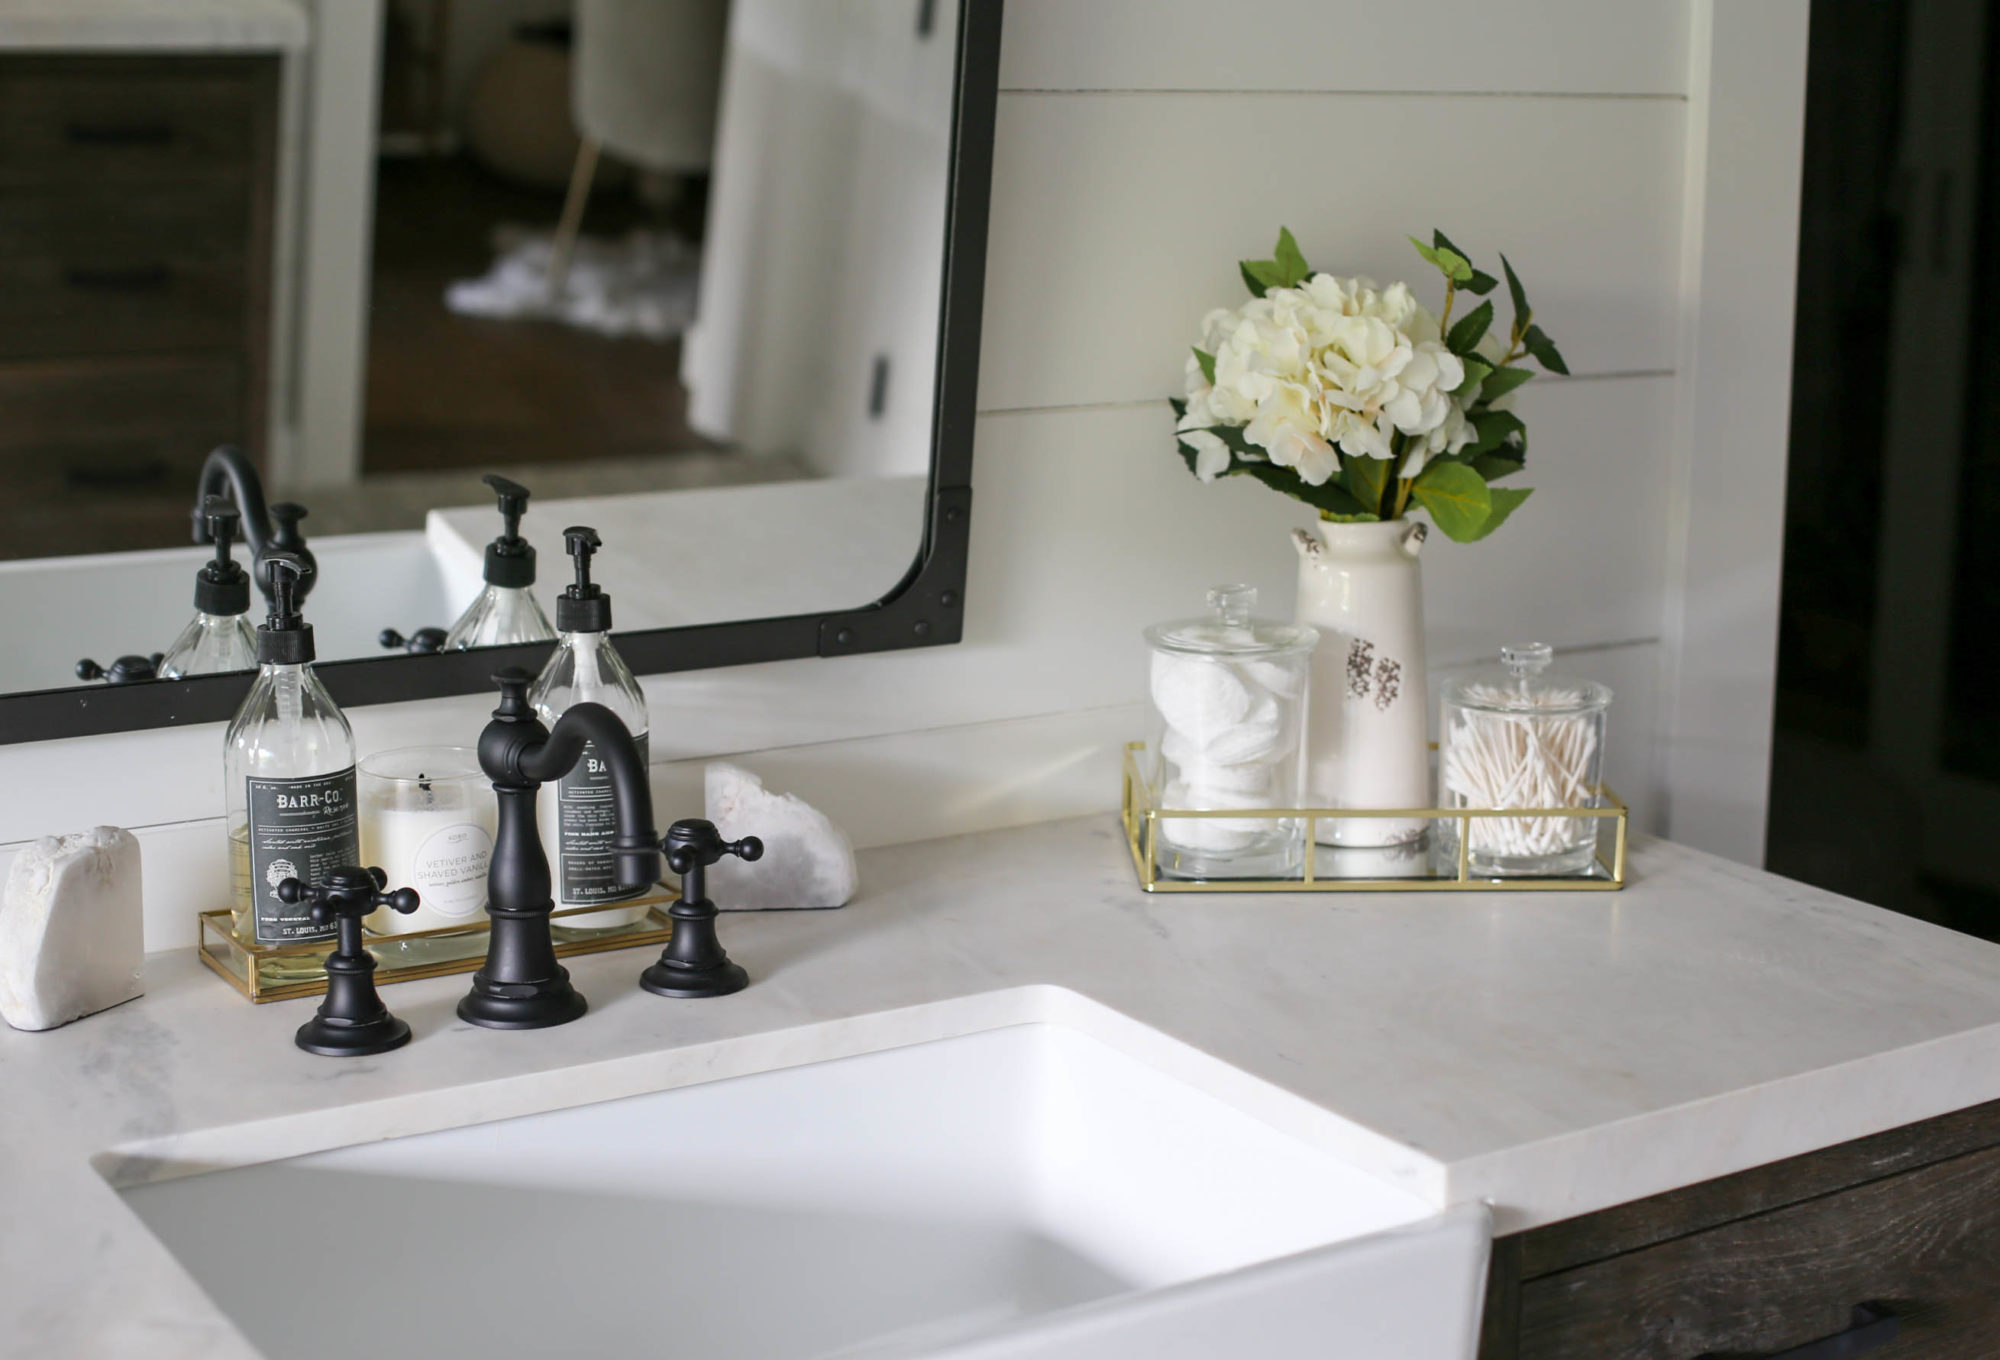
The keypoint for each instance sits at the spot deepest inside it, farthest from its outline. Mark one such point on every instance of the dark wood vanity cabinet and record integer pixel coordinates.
(1766, 1261)
(136, 205)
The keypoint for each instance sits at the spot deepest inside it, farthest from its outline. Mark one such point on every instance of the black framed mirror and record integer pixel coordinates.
(922, 608)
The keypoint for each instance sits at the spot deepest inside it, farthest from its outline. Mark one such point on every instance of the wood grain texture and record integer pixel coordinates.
(1558, 46)
(94, 269)
(1928, 1238)
(1118, 221)
(1647, 1222)
(1500, 1327)
(133, 119)
(84, 400)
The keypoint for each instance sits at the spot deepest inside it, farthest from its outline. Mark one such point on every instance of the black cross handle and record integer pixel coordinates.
(352, 1021)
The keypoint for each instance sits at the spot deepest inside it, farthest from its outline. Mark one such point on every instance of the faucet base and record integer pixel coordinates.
(521, 1005)
(666, 979)
(333, 1037)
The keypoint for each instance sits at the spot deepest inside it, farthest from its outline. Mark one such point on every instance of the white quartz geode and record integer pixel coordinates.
(72, 929)
(808, 861)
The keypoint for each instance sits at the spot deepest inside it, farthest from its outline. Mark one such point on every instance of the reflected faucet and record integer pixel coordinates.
(521, 986)
(227, 472)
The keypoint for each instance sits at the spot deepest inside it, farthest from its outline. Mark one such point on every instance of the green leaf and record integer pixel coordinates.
(1545, 351)
(1523, 313)
(1501, 381)
(1289, 260)
(1180, 406)
(1495, 428)
(1367, 479)
(1250, 279)
(1506, 501)
(1456, 497)
(1449, 262)
(1207, 362)
(1469, 329)
(1478, 281)
(1494, 466)
(1329, 498)
(1476, 370)
(1265, 272)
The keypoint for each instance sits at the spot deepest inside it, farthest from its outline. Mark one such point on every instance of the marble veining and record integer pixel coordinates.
(1551, 1053)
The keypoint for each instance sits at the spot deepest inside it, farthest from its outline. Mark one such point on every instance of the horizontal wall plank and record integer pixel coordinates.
(1118, 219)
(1557, 46)
(1584, 560)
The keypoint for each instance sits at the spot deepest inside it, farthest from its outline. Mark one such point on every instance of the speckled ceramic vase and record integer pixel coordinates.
(1361, 586)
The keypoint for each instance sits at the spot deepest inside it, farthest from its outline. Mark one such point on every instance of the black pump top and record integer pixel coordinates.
(583, 607)
(510, 559)
(221, 586)
(286, 639)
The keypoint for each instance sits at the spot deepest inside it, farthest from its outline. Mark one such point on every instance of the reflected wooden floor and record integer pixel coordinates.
(448, 391)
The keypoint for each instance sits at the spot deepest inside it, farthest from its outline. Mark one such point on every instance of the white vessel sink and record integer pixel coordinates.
(1028, 1190)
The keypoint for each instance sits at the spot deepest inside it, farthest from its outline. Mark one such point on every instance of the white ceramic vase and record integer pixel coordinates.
(1362, 587)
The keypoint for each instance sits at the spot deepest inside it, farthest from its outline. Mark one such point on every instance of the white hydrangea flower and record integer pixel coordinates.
(1333, 363)
(1211, 455)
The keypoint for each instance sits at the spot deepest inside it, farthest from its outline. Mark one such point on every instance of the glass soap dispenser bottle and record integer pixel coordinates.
(219, 638)
(506, 610)
(578, 824)
(288, 775)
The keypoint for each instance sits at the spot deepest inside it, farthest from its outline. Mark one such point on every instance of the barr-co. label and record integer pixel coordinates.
(303, 829)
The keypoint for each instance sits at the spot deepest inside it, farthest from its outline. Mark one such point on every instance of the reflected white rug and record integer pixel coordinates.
(643, 284)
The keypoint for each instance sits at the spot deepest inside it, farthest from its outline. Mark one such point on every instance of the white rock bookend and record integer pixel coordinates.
(72, 933)
(808, 861)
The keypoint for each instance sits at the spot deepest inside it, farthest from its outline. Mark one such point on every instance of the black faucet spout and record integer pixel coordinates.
(228, 472)
(636, 844)
(521, 986)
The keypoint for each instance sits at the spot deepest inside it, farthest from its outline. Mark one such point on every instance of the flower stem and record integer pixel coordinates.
(1398, 490)
(1450, 292)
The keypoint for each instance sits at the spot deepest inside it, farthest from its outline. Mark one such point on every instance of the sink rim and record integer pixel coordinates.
(255, 1142)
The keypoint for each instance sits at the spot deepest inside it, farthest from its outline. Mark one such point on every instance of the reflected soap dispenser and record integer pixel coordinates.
(288, 776)
(506, 610)
(579, 824)
(219, 637)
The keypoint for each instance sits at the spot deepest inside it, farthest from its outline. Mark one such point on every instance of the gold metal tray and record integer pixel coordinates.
(280, 972)
(1326, 868)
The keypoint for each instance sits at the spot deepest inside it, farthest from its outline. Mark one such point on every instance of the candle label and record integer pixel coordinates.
(303, 829)
(586, 826)
(449, 869)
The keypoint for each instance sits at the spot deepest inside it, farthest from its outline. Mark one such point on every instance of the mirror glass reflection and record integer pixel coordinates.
(670, 267)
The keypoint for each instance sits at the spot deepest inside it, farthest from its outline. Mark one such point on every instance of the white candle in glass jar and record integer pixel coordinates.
(427, 821)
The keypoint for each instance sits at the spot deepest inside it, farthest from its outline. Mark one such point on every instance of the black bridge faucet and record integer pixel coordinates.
(521, 985)
(228, 473)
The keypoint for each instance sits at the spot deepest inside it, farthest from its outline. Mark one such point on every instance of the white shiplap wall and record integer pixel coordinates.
(1143, 146)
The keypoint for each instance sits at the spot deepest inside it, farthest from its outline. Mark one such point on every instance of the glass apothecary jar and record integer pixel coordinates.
(1229, 720)
(1518, 737)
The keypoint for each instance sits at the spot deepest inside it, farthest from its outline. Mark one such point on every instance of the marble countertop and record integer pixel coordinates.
(151, 25)
(1552, 1053)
